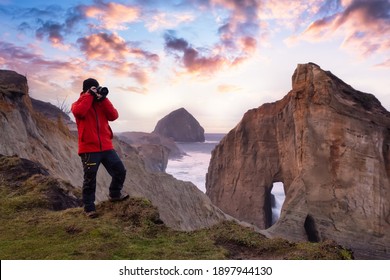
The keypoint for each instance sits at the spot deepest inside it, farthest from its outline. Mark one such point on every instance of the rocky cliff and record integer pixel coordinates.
(154, 149)
(51, 111)
(330, 146)
(30, 135)
(181, 126)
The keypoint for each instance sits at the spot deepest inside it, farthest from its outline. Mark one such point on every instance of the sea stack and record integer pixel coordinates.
(181, 126)
(330, 146)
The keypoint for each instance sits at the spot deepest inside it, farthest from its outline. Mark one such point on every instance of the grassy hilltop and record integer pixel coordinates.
(37, 223)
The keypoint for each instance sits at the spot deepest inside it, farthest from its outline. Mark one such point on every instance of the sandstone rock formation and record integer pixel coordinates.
(143, 138)
(181, 126)
(30, 135)
(330, 146)
(154, 149)
(50, 111)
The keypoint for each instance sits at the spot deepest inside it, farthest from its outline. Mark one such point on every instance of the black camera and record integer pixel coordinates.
(102, 91)
(99, 93)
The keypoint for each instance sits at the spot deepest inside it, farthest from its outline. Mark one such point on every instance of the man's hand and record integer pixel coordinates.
(93, 91)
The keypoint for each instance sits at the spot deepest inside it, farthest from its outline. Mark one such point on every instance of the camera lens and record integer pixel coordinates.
(103, 90)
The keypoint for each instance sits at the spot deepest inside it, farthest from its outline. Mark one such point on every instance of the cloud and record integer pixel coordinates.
(227, 88)
(384, 64)
(283, 10)
(52, 30)
(55, 23)
(242, 22)
(103, 46)
(48, 74)
(44, 74)
(106, 49)
(113, 53)
(74, 16)
(364, 25)
(111, 47)
(112, 16)
(50, 11)
(137, 90)
(52, 23)
(164, 20)
(238, 35)
(190, 58)
(16, 57)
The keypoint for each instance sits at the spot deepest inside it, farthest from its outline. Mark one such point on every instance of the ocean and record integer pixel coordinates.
(193, 167)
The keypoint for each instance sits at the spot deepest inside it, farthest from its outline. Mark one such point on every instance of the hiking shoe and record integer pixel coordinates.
(122, 197)
(91, 214)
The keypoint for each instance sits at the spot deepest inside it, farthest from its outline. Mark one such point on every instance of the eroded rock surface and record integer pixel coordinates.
(330, 146)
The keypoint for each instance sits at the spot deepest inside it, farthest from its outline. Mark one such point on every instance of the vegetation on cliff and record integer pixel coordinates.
(37, 223)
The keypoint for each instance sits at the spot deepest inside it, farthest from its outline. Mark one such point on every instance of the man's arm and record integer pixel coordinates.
(82, 105)
(109, 110)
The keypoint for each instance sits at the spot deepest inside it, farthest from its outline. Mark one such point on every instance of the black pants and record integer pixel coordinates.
(114, 167)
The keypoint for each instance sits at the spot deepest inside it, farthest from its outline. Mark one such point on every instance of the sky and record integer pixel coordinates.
(216, 58)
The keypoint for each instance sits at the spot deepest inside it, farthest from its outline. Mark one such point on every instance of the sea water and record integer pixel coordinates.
(194, 165)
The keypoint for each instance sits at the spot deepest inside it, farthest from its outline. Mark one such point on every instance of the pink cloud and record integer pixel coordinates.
(48, 78)
(227, 88)
(238, 39)
(385, 64)
(192, 59)
(243, 22)
(290, 14)
(52, 30)
(111, 47)
(113, 16)
(113, 53)
(163, 20)
(137, 90)
(364, 25)
(103, 46)
(21, 59)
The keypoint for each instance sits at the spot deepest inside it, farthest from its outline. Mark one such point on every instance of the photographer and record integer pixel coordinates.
(93, 111)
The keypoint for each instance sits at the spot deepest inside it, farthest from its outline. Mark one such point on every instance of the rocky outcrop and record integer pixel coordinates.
(32, 136)
(25, 176)
(154, 149)
(143, 138)
(50, 111)
(181, 126)
(330, 146)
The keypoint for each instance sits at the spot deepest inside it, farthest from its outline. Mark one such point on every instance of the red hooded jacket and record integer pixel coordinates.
(95, 134)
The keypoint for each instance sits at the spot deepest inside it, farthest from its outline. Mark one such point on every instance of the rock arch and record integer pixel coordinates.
(328, 143)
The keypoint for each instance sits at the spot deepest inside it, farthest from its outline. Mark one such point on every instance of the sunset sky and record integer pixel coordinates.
(216, 58)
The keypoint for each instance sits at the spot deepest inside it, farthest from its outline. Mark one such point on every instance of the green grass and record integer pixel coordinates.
(29, 229)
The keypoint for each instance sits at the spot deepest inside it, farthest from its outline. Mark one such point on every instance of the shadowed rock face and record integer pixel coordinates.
(330, 146)
(181, 126)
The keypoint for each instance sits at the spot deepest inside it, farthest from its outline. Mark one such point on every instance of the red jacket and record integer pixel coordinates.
(95, 134)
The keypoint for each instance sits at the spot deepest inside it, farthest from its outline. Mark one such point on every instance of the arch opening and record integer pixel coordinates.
(277, 200)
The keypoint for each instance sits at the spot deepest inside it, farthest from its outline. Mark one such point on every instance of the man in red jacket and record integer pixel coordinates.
(93, 111)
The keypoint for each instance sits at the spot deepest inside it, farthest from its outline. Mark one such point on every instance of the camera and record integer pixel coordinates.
(99, 92)
(102, 90)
